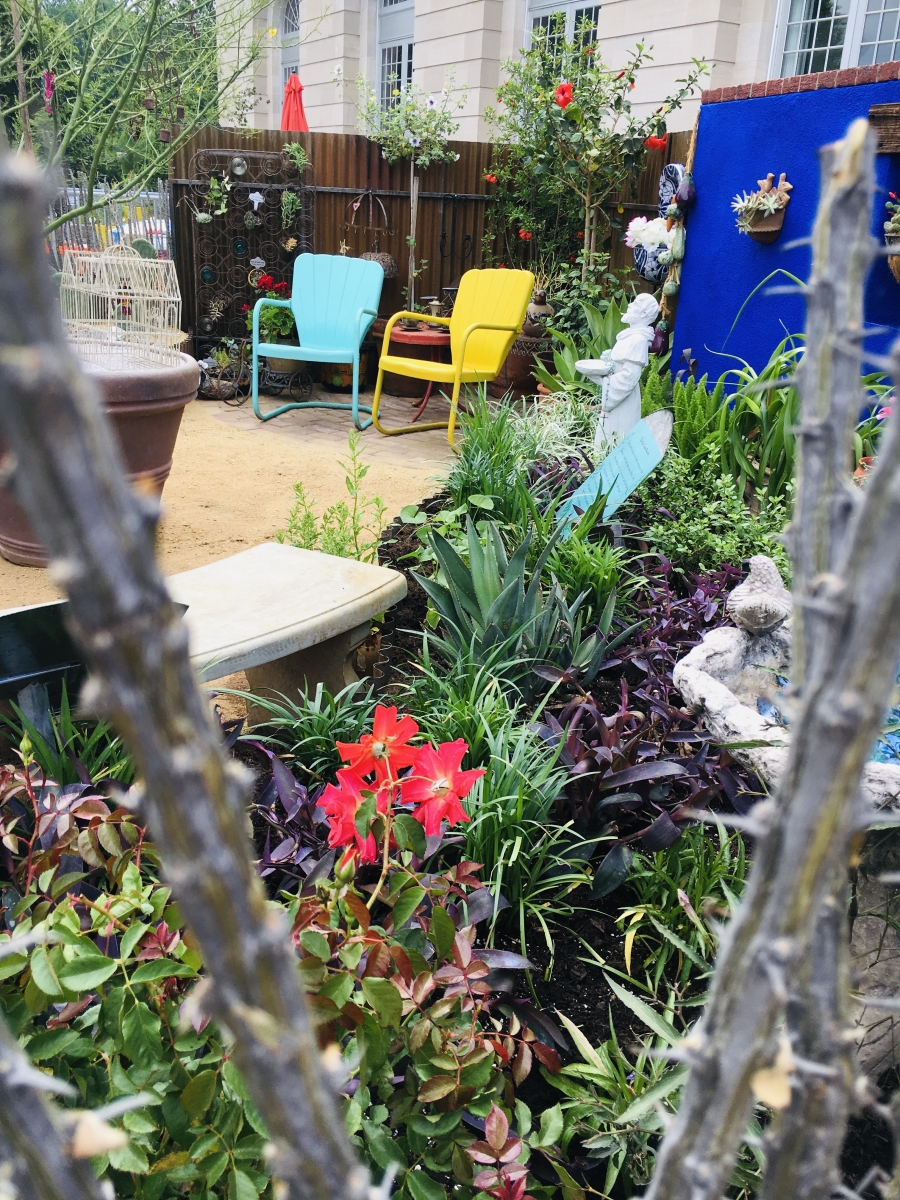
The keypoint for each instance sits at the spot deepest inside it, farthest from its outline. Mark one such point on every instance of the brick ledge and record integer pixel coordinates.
(878, 73)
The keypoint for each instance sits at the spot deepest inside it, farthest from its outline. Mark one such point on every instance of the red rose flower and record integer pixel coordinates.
(564, 95)
(385, 750)
(437, 785)
(341, 804)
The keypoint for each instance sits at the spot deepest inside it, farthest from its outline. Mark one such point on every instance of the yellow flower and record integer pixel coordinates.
(395, 92)
(272, 32)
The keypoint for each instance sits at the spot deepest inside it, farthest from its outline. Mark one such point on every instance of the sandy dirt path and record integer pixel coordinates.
(232, 479)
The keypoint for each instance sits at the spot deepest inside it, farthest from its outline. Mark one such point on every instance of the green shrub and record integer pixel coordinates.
(695, 409)
(348, 530)
(709, 524)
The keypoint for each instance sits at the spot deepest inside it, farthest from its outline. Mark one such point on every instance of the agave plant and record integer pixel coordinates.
(486, 605)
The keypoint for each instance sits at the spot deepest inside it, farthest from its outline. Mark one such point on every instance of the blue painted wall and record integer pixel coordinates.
(738, 143)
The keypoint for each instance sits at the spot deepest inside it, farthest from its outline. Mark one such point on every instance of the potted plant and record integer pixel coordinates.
(892, 234)
(275, 324)
(648, 240)
(761, 214)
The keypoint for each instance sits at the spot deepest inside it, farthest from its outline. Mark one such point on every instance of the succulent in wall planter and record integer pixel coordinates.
(761, 214)
(892, 234)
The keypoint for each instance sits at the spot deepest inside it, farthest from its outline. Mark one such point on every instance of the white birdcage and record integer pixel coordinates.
(120, 310)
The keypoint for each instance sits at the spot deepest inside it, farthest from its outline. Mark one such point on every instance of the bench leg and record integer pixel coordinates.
(329, 663)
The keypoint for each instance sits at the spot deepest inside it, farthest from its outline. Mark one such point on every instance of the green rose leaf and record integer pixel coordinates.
(199, 1093)
(87, 971)
(385, 1000)
(162, 968)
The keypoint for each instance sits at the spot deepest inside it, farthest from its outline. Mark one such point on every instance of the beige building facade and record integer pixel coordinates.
(744, 41)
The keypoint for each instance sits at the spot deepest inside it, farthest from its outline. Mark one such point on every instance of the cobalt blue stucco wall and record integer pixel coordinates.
(738, 143)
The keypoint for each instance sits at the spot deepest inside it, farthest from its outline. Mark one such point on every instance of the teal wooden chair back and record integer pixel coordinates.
(327, 294)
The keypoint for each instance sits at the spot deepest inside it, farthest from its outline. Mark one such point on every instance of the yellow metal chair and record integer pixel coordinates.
(487, 317)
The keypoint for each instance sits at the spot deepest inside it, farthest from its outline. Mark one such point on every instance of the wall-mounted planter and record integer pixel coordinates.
(893, 239)
(766, 229)
(761, 214)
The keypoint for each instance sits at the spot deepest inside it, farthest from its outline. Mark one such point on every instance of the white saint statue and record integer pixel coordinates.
(618, 371)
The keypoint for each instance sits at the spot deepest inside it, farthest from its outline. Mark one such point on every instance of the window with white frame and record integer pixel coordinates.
(394, 54)
(550, 20)
(396, 70)
(829, 35)
(290, 22)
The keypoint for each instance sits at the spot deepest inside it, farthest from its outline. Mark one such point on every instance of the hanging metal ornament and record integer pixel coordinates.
(372, 226)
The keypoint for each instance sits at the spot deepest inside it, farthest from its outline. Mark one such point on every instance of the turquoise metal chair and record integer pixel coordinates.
(334, 301)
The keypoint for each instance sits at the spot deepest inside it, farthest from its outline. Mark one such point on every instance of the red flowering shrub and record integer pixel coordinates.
(490, 179)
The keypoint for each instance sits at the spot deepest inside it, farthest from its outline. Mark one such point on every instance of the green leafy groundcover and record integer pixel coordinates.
(432, 1047)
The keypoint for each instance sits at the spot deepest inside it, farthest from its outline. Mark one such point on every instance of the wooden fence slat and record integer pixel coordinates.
(451, 211)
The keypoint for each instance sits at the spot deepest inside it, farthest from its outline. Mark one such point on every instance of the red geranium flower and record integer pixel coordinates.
(280, 288)
(564, 95)
(245, 308)
(437, 785)
(264, 282)
(341, 804)
(385, 749)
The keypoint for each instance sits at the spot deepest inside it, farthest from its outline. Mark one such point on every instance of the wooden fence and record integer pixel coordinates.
(345, 168)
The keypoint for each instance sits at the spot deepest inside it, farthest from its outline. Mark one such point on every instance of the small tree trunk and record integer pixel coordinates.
(585, 253)
(27, 143)
(413, 218)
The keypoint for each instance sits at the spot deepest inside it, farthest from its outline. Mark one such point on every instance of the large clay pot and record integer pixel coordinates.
(517, 373)
(145, 407)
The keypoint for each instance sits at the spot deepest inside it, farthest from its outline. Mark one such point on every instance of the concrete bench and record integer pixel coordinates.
(289, 618)
(283, 615)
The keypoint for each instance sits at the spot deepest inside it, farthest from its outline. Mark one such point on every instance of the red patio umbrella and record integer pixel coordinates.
(292, 115)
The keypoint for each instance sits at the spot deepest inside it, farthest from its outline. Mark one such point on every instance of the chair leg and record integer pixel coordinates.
(355, 408)
(392, 431)
(254, 384)
(454, 406)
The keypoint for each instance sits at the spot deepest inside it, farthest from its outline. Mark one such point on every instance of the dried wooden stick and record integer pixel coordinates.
(100, 538)
(805, 833)
(34, 1158)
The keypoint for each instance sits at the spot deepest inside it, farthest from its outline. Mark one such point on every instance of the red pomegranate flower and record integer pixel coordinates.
(564, 95)
(341, 804)
(490, 179)
(385, 749)
(437, 785)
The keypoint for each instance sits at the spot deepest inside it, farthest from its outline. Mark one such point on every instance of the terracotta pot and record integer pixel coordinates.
(517, 373)
(285, 366)
(338, 377)
(145, 407)
(893, 239)
(766, 229)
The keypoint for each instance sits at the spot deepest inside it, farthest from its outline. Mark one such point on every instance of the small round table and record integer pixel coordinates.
(436, 338)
